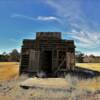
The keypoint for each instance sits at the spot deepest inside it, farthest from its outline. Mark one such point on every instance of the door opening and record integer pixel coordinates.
(47, 62)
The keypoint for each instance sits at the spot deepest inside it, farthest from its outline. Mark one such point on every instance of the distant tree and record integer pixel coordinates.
(79, 56)
(4, 53)
(4, 56)
(14, 55)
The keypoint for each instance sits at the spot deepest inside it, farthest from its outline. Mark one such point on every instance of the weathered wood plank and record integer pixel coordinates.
(34, 61)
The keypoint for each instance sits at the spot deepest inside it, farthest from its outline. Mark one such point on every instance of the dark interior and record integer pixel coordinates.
(47, 62)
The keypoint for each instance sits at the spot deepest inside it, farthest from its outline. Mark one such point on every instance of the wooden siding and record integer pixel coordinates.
(33, 53)
(34, 61)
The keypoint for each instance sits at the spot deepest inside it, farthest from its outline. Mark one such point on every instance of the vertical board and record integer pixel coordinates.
(34, 61)
(72, 61)
(54, 60)
(68, 60)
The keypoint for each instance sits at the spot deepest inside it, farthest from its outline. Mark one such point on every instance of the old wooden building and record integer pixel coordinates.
(48, 53)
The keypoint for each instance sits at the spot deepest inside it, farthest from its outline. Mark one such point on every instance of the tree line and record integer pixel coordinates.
(13, 56)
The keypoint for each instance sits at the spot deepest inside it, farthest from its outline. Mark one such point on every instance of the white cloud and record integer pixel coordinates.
(70, 10)
(22, 16)
(82, 29)
(39, 18)
(45, 18)
(93, 53)
(71, 13)
(86, 40)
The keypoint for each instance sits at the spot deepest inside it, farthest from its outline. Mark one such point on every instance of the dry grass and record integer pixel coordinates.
(92, 66)
(8, 70)
(90, 84)
(94, 83)
(72, 91)
(73, 88)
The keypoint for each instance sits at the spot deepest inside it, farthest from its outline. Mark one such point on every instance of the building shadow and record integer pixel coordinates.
(83, 73)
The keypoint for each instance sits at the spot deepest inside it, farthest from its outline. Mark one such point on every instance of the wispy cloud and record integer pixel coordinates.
(39, 18)
(13, 40)
(70, 10)
(83, 30)
(85, 39)
(45, 18)
(22, 16)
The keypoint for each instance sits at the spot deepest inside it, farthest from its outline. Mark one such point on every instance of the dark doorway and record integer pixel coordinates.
(47, 62)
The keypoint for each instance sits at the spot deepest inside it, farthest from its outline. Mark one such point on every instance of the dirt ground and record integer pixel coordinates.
(68, 88)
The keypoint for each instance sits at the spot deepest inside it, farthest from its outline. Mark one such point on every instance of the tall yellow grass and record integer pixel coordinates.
(8, 70)
(92, 66)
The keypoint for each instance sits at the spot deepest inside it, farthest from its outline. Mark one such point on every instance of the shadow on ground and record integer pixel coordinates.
(81, 73)
(84, 73)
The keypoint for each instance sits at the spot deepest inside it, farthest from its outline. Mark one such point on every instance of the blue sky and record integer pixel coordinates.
(76, 19)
